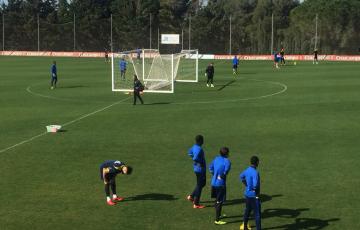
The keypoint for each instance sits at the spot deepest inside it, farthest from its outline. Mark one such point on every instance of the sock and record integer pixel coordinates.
(114, 196)
(108, 198)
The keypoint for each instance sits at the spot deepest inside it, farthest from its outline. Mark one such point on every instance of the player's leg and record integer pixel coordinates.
(107, 192)
(208, 80)
(135, 97)
(218, 204)
(200, 183)
(248, 209)
(140, 98)
(257, 213)
(113, 189)
(55, 81)
(212, 81)
(194, 193)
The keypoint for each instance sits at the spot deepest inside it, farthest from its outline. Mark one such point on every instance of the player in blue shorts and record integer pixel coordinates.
(277, 58)
(53, 75)
(122, 65)
(235, 63)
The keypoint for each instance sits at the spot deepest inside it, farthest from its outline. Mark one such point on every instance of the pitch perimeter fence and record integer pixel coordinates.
(94, 34)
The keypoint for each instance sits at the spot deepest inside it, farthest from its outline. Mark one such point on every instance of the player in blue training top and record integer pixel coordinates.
(198, 156)
(108, 171)
(251, 179)
(235, 63)
(53, 75)
(219, 168)
(122, 65)
(276, 59)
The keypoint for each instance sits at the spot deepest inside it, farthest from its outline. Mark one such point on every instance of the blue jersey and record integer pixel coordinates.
(122, 65)
(252, 180)
(53, 71)
(113, 171)
(235, 61)
(219, 167)
(198, 156)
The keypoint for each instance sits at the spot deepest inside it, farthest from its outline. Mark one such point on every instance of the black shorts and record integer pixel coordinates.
(110, 180)
(219, 193)
(235, 66)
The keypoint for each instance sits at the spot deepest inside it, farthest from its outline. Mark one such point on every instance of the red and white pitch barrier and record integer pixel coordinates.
(292, 57)
(250, 57)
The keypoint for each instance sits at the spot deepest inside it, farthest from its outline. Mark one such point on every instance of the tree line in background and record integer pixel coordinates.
(50, 25)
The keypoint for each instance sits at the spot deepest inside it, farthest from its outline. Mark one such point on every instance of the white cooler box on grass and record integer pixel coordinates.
(53, 128)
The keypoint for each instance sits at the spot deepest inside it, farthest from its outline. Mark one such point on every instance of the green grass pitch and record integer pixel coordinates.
(302, 121)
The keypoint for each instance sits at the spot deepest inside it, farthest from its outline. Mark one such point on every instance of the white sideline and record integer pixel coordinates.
(68, 123)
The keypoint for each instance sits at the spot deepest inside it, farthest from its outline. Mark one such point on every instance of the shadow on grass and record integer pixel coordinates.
(305, 223)
(291, 214)
(263, 198)
(282, 212)
(70, 87)
(227, 84)
(62, 131)
(152, 196)
(298, 223)
(158, 103)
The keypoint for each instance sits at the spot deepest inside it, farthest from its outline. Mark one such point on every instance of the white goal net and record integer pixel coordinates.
(187, 64)
(156, 71)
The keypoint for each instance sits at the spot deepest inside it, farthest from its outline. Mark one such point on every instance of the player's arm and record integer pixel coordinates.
(211, 168)
(105, 171)
(242, 178)
(256, 184)
(226, 169)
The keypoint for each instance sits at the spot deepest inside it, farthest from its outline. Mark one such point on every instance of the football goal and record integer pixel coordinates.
(187, 65)
(156, 71)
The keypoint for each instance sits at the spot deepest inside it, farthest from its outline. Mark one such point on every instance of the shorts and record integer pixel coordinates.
(235, 66)
(218, 192)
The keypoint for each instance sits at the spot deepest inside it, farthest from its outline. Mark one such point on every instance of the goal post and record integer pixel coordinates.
(187, 66)
(154, 70)
(123, 81)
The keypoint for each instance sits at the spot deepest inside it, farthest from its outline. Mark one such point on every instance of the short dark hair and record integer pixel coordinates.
(224, 151)
(254, 160)
(129, 170)
(199, 139)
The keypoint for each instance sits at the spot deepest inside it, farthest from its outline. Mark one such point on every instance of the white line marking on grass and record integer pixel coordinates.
(66, 124)
(28, 89)
(284, 88)
(23, 142)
